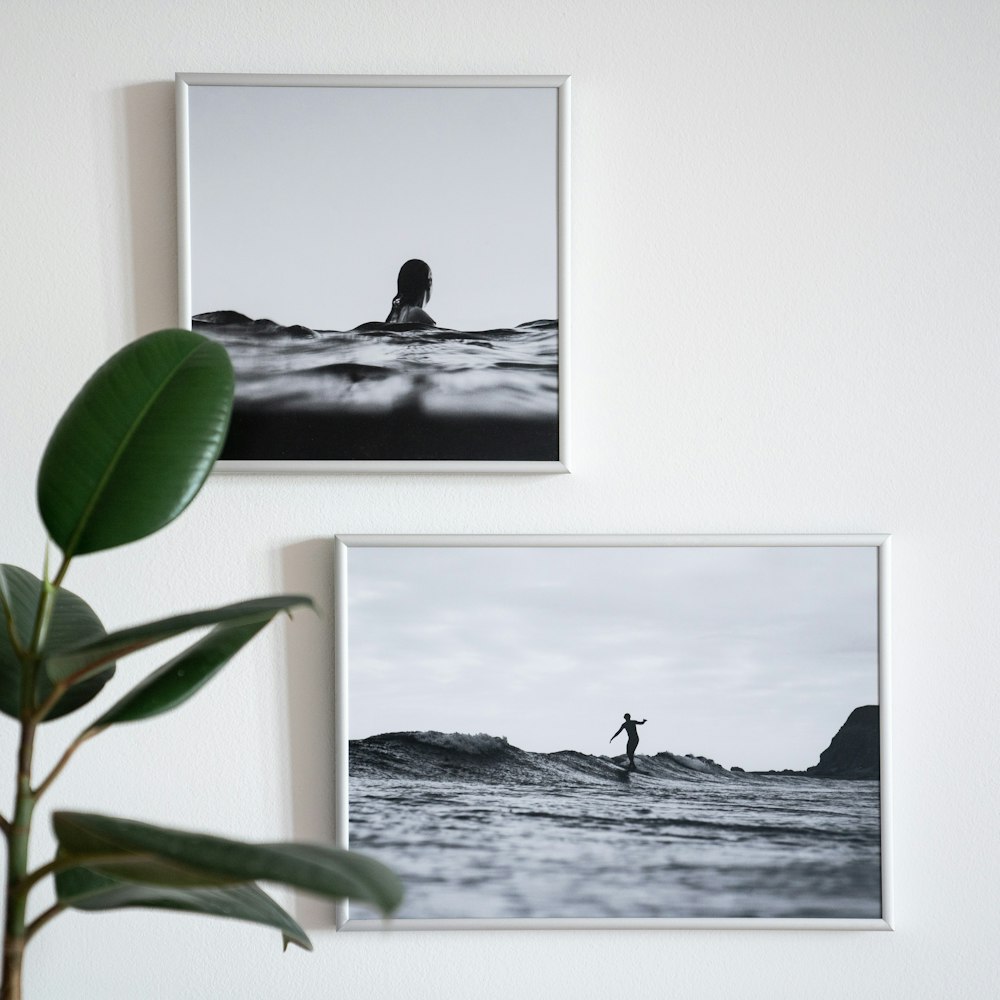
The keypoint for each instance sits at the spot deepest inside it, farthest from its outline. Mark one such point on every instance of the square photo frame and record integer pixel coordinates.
(386, 260)
(617, 731)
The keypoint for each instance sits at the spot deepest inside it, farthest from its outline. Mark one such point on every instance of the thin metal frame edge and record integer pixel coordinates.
(879, 541)
(183, 83)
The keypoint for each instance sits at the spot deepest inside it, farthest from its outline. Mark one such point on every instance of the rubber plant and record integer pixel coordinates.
(127, 457)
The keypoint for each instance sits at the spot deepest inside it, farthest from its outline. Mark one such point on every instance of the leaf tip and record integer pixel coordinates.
(305, 944)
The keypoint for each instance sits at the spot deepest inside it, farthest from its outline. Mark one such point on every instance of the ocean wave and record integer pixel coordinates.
(434, 755)
(378, 369)
(230, 323)
(473, 744)
(478, 827)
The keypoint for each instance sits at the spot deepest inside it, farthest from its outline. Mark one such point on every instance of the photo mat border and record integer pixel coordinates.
(561, 83)
(881, 542)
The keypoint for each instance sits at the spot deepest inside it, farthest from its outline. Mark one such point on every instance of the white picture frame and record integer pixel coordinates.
(351, 549)
(517, 429)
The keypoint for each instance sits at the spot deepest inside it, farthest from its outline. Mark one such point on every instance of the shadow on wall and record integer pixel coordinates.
(146, 158)
(307, 568)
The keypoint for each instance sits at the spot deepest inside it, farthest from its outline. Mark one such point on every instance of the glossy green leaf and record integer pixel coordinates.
(83, 889)
(72, 621)
(81, 659)
(137, 442)
(136, 850)
(182, 677)
(7, 606)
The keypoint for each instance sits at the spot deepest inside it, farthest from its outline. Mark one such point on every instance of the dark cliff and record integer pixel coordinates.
(854, 751)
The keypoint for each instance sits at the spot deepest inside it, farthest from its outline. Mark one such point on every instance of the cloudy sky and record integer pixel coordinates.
(750, 656)
(305, 201)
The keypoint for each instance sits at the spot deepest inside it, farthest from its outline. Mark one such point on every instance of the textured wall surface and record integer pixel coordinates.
(785, 259)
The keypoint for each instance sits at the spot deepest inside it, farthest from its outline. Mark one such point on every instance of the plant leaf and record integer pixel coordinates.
(84, 889)
(81, 659)
(325, 871)
(182, 677)
(73, 620)
(7, 606)
(137, 442)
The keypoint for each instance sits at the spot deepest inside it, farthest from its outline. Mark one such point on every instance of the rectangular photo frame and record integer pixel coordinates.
(386, 259)
(478, 680)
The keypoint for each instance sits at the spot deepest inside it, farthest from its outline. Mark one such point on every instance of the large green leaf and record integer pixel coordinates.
(73, 621)
(10, 584)
(84, 889)
(79, 660)
(137, 442)
(184, 675)
(132, 851)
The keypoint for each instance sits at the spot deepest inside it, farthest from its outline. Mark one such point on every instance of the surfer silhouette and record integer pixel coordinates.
(633, 737)
(413, 289)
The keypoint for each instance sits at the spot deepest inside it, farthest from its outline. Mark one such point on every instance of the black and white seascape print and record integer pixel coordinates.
(381, 263)
(617, 732)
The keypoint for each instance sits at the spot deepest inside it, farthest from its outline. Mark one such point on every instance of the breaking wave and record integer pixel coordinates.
(445, 756)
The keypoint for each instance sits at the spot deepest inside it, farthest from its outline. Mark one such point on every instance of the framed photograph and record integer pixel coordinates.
(617, 731)
(386, 261)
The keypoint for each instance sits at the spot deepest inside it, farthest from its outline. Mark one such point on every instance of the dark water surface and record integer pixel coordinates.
(394, 392)
(478, 828)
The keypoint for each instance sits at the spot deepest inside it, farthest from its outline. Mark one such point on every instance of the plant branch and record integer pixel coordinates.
(62, 686)
(64, 759)
(63, 570)
(5, 826)
(65, 864)
(40, 921)
(58, 690)
(33, 878)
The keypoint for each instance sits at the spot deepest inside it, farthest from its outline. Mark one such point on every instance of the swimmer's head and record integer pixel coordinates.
(413, 286)
(627, 716)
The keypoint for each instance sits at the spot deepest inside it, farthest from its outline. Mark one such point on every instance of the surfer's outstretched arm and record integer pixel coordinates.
(641, 723)
(620, 728)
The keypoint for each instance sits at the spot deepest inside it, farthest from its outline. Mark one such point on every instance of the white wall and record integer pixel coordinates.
(785, 263)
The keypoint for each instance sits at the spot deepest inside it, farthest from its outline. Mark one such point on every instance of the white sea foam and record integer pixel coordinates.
(470, 743)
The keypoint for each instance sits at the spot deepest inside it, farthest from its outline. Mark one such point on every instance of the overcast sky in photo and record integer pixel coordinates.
(752, 656)
(305, 201)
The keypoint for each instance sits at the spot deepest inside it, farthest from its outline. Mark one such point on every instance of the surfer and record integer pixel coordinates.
(413, 289)
(633, 737)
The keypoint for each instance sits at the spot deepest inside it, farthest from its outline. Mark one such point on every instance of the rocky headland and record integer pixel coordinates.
(853, 752)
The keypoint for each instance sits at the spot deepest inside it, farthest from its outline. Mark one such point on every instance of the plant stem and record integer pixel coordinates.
(19, 834)
(14, 938)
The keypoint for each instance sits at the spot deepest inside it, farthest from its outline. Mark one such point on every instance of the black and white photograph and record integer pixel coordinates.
(381, 257)
(616, 730)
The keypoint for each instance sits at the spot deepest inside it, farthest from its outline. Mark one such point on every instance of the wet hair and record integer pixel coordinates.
(627, 716)
(413, 286)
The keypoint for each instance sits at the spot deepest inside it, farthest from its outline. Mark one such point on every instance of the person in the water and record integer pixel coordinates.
(413, 289)
(633, 737)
